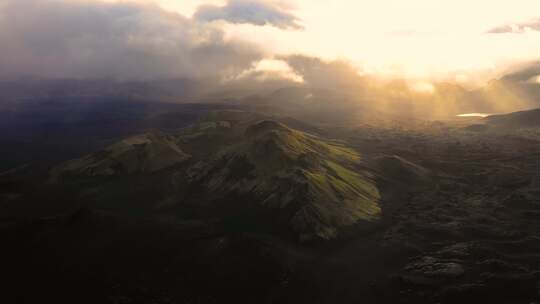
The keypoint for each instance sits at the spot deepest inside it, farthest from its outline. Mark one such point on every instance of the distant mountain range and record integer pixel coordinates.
(366, 102)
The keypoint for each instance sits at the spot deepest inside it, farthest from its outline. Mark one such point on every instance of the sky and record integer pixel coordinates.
(455, 39)
(427, 40)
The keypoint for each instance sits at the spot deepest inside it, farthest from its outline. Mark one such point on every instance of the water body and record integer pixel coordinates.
(474, 115)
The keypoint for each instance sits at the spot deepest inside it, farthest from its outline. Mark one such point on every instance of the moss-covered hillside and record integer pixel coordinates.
(317, 182)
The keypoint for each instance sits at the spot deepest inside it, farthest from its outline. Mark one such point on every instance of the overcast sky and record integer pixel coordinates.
(459, 40)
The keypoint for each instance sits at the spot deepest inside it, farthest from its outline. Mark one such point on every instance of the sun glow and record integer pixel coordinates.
(483, 115)
(423, 87)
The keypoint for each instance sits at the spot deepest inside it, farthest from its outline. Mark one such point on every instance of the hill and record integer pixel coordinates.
(522, 119)
(316, 184)
(244, 170)
(145, 153)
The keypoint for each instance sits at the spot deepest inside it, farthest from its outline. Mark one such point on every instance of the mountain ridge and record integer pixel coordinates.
(286, 169)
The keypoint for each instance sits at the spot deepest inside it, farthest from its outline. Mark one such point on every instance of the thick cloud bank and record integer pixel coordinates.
(524, 73)
(249, 12)
(127, 40)
(325, 74)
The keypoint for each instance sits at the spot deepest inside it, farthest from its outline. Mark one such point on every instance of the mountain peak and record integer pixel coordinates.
(315, 182)
(265, 127)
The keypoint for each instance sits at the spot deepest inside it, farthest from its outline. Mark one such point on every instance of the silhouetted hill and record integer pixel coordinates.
(144, 153)
(523, 119)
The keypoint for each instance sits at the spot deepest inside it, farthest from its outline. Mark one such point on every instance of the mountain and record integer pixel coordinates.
(242, 168)
(149, 152)
(403, 171)
(522, 119)
(51, 130)
(316, 184)
(321, 106)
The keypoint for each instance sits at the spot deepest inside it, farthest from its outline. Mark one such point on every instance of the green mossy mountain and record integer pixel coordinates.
(316, 182)
(241, 169)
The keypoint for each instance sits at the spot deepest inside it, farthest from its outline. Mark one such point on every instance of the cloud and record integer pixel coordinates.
(516, 28)
(124, 40)
(524, 73)
(249, 12)
(271, 70)
(317, 72)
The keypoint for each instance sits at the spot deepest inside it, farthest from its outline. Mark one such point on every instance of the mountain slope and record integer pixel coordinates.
(145, 153)
(246, 173)
(313, 182)
(523, 119)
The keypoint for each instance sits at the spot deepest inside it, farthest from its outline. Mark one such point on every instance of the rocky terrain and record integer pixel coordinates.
(474, 229)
